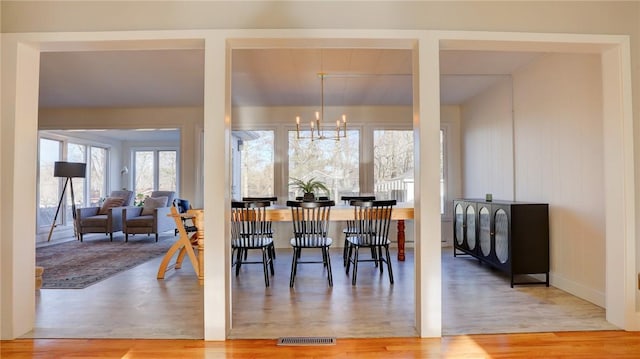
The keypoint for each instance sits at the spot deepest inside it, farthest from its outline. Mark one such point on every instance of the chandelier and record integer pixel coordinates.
(318, 130)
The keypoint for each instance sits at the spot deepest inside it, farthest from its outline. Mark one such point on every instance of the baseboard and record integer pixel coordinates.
(589, 294)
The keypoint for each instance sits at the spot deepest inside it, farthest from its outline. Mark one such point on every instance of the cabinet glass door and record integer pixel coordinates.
(459, 218)
(502, 235)
(471, 228)
(485, 231)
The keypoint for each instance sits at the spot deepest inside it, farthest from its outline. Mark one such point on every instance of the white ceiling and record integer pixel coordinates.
(262, 77)
(265, 77)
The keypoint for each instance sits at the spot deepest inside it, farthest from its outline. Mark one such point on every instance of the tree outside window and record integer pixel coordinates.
(336, 163)
(393, 164)
(256, 163)
(154, 170)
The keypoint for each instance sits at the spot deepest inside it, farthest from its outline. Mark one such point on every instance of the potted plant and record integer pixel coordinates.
(309, 187)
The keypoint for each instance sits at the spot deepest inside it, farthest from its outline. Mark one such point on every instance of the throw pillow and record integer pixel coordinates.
(151, 203)
(109, 203)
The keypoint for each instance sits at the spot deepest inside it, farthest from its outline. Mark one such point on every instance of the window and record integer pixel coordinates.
(76, 153)
(154, 170)
(50, 187)
(254, 160)
(393, 164)
(97, 172)
(336, 163)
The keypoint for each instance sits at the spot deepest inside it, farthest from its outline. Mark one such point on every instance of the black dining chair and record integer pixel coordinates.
(351, 228)
(310, 227)
(372, 220)
(268, 227)
(248, 231)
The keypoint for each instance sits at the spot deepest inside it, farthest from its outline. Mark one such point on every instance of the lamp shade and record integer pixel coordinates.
(69, 169)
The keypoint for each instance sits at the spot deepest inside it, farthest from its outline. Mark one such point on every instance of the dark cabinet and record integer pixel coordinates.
(510, 236)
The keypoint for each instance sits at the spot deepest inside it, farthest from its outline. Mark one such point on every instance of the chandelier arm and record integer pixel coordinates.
(319, 122)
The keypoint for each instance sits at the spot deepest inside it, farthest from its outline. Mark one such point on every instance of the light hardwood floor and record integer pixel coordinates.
(134, 304)
(585, 345)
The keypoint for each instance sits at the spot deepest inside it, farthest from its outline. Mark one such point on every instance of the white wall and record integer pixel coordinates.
(450, 120)
(550, 151)
(487, 144)
(559, 160)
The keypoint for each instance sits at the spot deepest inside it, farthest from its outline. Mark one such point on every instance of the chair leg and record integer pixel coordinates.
(294, 266)
(374, 256)
(350, 251)
(325, 251)
(379, 259)
(265, 268)
(126, 237)
(389, 265)
(345, 250)
(272, 255)
(238, 261)
(355, 265)
(156, 237)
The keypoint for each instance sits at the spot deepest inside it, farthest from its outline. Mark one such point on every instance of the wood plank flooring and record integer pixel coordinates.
(585, 345)
(134, 304)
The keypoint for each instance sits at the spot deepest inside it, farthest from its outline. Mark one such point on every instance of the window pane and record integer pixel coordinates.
(393, 164)
(144, 169)
(167, 170)
(97, 175)
(333, 162)
(76, 153)
(49, 186)
(256, 164)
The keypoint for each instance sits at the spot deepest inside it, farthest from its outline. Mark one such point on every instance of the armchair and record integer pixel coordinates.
(106, 219)
(153, 217)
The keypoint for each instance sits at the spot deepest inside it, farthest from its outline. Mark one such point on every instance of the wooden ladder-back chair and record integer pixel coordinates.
(185, 244)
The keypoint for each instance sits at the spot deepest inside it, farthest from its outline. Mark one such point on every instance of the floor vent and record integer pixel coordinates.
(306, 341)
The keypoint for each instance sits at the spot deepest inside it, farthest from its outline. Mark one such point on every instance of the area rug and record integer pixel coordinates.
(77, 265)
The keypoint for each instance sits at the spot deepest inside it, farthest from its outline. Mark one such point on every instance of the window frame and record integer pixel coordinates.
(64, 218)
(156, 168)
(285, 156)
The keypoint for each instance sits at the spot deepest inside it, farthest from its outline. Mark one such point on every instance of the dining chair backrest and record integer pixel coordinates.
(249, 221)
(319, 198)
(372, 220)
(348, 199)
(271, 200)
(310, 221)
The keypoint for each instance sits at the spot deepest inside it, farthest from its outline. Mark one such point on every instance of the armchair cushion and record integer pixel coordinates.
(109, 203)
(95, 221)
(141, 221)
(151, 203)
(126, 194)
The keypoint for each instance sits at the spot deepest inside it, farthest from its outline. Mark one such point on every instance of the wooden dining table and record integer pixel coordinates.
(400, 213)
(186, 243)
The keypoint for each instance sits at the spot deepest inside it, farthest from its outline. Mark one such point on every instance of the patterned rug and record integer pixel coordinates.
(77, 265)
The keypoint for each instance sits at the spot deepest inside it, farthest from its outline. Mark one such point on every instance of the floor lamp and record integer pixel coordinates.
(67, 170)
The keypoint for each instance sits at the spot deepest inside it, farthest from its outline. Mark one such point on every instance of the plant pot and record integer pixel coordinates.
(308, 197)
